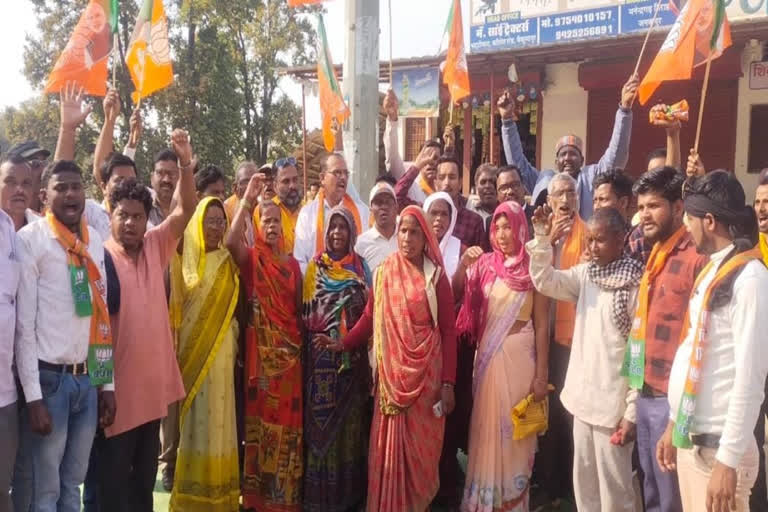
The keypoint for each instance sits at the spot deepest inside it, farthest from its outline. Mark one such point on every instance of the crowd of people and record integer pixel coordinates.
(280, 353)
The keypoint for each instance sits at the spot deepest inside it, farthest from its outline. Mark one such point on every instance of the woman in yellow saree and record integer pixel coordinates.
(204, 293)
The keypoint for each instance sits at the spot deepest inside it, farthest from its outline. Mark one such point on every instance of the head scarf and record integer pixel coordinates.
(193, 253)
(431, 247)
(454, 216)
(570, 140)
(490, 267)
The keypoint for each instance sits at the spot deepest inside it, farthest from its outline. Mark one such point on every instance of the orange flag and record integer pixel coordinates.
(84, 59)
(149, 52)
(455, 70)
(334, 110)
(297, 3)
(700, 32)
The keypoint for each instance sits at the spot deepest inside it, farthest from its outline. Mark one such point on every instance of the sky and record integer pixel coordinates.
(418, 30)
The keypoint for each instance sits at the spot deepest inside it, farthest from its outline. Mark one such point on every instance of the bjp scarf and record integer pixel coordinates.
(684, 419)
(425, 186)
(89, 297)
(565, 312)
(348, 203)
(406, 336)
(634, 357)
(763, 244)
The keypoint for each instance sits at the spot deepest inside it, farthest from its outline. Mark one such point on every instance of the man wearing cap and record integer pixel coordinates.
(569, 150)
(36, 158)
(377, 243)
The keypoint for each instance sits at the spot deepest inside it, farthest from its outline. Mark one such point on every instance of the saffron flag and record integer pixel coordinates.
(149, 52)
(334, 110)
(701, 32)
(455, 70)
(298, 3)
(84, 58)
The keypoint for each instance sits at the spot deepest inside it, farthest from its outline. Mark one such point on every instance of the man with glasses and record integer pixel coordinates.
(165, 176)
(313, 218)
(509, 187)
(36, 158)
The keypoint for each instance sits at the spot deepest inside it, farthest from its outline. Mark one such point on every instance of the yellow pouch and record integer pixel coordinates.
(530, 417)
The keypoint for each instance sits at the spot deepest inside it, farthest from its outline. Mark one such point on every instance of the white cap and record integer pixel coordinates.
(382, 187)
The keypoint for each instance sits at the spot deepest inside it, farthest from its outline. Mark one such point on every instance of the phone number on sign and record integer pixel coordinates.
(577, 33)
(587, 17)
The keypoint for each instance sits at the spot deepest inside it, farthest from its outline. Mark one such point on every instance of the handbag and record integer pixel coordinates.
(530, 417)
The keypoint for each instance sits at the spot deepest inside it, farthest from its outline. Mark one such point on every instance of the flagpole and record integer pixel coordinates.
(391, 78)
(304, 137)
(114, 59)
(701, 105)
(648, 35)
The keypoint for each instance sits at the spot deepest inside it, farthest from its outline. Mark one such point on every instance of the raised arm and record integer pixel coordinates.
(104, 144)
(617, 153)
(392, 160)
(185, 199)
(672, 128)
(137, 128)
(73, 114)
(234, 239)
(513, 147)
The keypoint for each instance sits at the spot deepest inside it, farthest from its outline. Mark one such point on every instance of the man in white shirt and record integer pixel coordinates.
(54, 336)
(377, 243)
(313, 220)
(716, 385)
(9, 421)
(602, 404)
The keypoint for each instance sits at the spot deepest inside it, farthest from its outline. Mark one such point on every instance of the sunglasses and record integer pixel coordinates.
(37, 164)
(284, 162)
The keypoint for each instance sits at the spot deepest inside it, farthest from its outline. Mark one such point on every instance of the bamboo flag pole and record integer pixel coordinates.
(391, 78)
(701, 105)
(305, 167)
(648, 35)
(115, 55)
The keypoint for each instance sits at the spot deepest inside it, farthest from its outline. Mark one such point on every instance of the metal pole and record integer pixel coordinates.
(492, 138)
(361, 91)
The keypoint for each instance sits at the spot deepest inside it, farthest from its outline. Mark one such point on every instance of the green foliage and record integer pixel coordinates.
(226, 89)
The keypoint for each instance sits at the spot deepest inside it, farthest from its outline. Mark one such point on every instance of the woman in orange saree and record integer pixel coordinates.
(411, 317)
(273, 403)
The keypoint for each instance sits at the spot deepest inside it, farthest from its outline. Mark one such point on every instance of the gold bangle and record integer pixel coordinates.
(244, 203)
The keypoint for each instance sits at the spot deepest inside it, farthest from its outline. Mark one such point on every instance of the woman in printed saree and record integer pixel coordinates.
(204, 292)
(337, 386)
(508, 321)
(411, 317)
(273, 406)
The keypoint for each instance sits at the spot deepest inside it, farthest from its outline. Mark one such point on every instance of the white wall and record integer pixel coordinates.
(747, 98)
(564, 109)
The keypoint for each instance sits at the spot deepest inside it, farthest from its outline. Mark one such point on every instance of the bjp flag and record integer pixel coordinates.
(149, 52)
(333, 109)
(455, 70)
(84, 59)
(298, 3)
(700, 33)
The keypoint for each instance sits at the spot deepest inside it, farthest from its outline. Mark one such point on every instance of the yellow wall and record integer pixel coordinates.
(564, 109)
(747, 98)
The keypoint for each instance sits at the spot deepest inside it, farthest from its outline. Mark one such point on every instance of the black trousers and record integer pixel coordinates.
(127, 469)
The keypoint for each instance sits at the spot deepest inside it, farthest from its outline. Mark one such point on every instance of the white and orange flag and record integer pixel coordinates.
(332, 106)
(455, 70)
(149, 53)
(297, 3)
(701, 32)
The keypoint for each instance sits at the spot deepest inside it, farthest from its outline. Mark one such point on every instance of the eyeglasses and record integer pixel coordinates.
(215, 223)
(36, 164)
(284, 162)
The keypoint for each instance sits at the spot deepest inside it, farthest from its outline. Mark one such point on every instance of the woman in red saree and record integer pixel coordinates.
(411, 317)
(273, 411)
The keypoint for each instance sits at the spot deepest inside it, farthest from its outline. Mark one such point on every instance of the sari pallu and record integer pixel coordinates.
(273, 410)
(204, 292)
(406, 436)
(336, 416)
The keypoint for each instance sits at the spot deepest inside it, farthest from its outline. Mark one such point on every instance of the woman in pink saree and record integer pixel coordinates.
(411, 317)
(508, 320)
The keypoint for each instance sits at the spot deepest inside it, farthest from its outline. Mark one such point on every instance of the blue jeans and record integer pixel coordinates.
(60, 459)
(661, 491)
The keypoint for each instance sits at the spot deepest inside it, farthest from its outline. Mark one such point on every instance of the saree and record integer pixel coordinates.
(498, 293)
(204, 293)
(336, 415)
(273, 403)
(406, 436)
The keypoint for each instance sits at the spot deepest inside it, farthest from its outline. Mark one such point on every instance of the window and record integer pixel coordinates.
(758, 149)
(415, 136)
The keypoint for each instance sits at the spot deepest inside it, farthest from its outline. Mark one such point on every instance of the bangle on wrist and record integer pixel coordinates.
(244, 203)
(447, 385)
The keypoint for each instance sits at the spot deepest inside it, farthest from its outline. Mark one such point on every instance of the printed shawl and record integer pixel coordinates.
(619, 276)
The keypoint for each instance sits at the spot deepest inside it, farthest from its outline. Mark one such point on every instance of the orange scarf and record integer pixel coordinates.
(99, 361)
(230, 207)
(348, 203)
(634, 359)
(570, 255)
(425, 186)
(763, 245)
